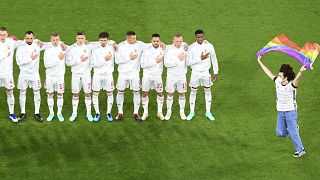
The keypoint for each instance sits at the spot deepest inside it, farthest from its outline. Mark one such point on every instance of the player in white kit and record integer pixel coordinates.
(175, 61)
(200, 57)
(128, 60)
(152, 65)
(102, 60)
(54, 62)
(28, 58)
(7, 47)
(78, 57)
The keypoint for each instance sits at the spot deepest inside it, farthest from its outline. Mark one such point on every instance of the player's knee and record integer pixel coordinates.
(60, 94)
(194, 90)
(160, 94)
(182, 95)
(135, 92)
(120, 92)
(281, 133)
(9, 91)
(95, 93)
(170, 94)
(50, 94)
(75, 94)
(207, 89)
(109, 93)
(87, 94)
(144, 94)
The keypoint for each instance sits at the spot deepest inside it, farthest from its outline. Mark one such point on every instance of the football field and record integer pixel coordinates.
(240, 144)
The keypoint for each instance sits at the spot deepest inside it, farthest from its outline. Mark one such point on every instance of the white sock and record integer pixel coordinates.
(136, 102)
(120, 99)
(169, 103)
(37, 101)
(182, 103)
(87, 100)
(75, 102)
(207, 95)
(145, 103)
(50, 102)
(193, 96)
(110, 102)
(10, 101)
(59, 103)
(22, 101)
(160, 101)
(95, 102)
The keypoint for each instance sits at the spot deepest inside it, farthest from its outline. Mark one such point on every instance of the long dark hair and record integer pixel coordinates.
(287, 71)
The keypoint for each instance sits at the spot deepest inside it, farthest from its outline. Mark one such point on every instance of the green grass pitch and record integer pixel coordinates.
(240, 144)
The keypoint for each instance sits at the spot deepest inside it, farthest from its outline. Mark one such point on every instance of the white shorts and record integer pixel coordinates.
(102, 81)
(176, 83)
(31, 81)
(79, 82)
(152, 82)
(7, 82)
(200, 79)
(54, 84)
(126, 81)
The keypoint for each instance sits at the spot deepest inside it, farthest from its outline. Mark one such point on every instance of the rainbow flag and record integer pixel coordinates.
(305, 55)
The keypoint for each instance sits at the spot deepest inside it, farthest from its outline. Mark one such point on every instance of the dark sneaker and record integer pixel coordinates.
(109, 117)
(137, 117)
(96, 117)
(38, 117)
(299, 153)
(22, 116)
(119, 116)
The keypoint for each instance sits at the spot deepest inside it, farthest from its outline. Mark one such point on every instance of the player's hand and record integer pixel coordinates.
(215, 77)
(108, 57)
(83, 58)
(259, 58)
(204, 56)
(303, 68)
(61, 55)
(182, 56)
(40, 43)
(133, 56)
(9, 53)
(34, 55)
(163, 45)
(185, 46)
(64, 47)
(115, 46)
(159, 58)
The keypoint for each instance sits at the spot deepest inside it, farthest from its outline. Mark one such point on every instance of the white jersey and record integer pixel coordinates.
(149, 63)
(175, 67)
(125, 64)
(53, 64)
(6, 56)
(23, 56)
(286, 96)
(99, 64)
(194, 57)
(73, 59)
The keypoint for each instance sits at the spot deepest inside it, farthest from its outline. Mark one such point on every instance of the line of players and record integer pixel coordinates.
(130, 55)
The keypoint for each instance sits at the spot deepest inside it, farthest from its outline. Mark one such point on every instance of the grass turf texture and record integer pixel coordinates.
(241, 143)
